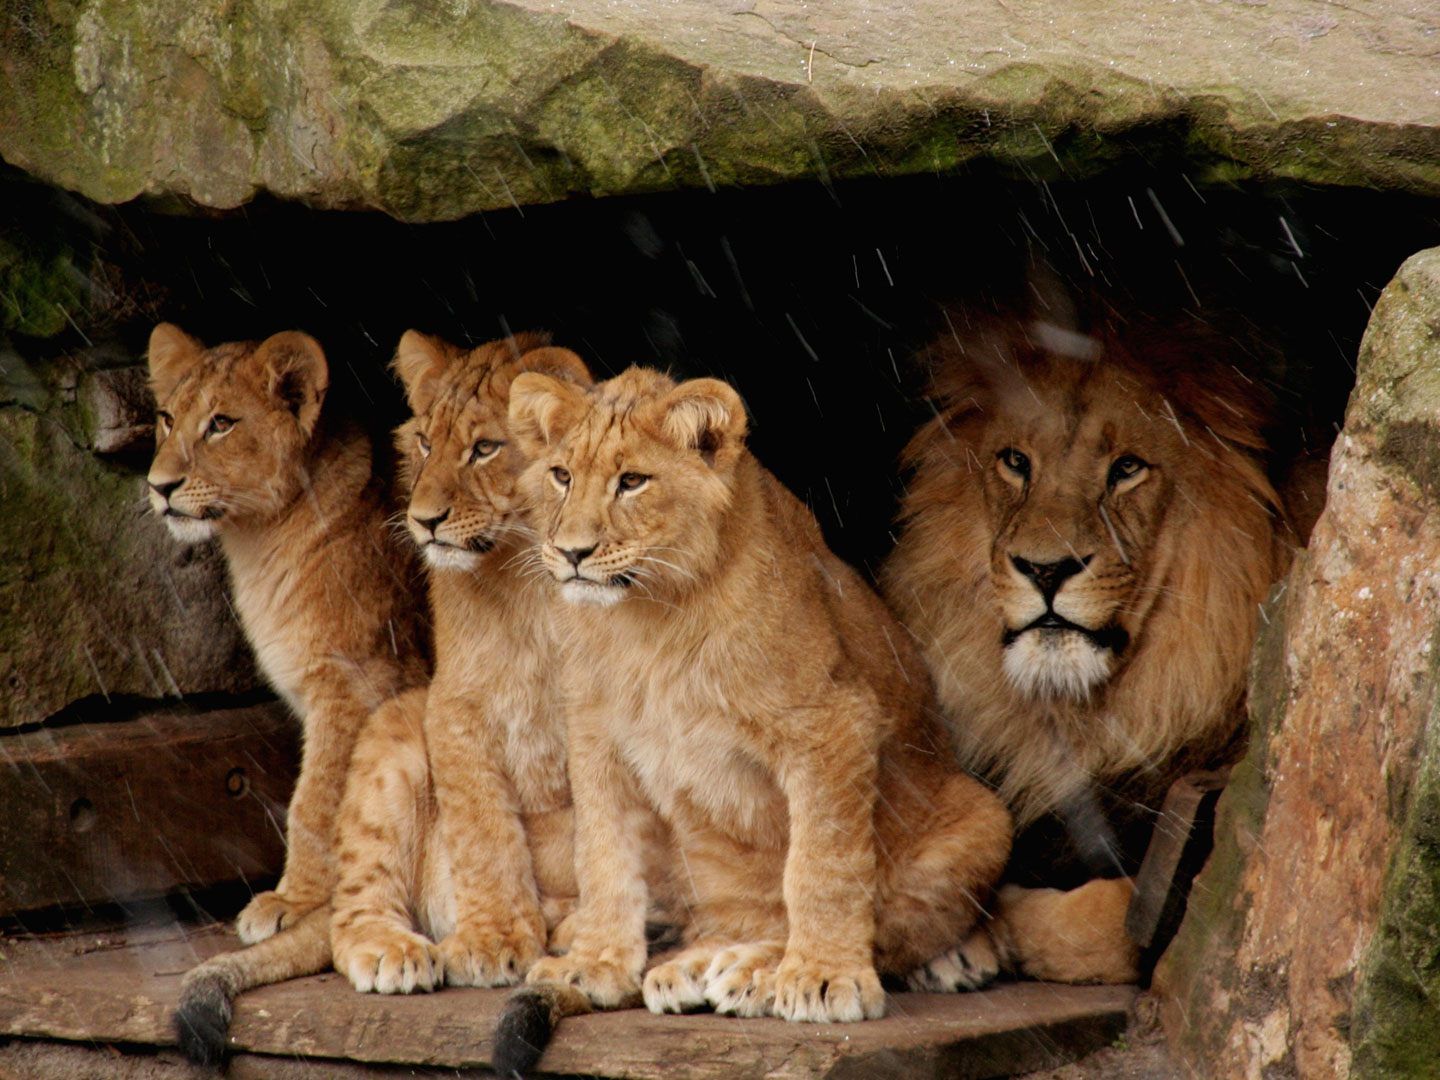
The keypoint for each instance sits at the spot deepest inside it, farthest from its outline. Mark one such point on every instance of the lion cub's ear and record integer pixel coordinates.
(708, 416)
(542, 409)
(295, 373)
(548, 360)
(172, 354)
(419, 361)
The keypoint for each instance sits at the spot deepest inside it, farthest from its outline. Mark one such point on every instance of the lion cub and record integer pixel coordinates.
(724, 668)
(457, 817)
(245, 454)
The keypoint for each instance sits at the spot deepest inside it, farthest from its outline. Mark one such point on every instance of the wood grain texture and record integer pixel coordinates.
(1171, 859)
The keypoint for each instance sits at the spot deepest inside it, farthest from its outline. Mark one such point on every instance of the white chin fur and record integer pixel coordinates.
(1056, 663)
(449, 558)
(190, 530)
(588, 592)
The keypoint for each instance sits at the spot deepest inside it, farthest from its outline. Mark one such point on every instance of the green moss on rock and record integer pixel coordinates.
(38, 287)
(1396, 1024)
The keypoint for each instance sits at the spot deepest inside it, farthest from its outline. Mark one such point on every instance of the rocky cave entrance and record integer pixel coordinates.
(814, 299)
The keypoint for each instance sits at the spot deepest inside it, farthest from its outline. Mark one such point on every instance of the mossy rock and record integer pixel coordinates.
(1312, 944)
(97, 603)
(1396, 1026)
(433, 110)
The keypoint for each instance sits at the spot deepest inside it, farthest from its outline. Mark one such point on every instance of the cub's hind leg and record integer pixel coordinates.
(384, 822)
(736, 979)
(499, 928)
(937, 872)
(677, 983)
(740, 980)
(738, 929)
(332, 724)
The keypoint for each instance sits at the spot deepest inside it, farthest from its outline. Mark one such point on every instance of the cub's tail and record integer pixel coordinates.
(528, 1022)
(202, 1020)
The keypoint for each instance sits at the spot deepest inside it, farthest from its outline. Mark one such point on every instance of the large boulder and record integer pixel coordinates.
(1312, 946)
(432, 110)
(99, 607)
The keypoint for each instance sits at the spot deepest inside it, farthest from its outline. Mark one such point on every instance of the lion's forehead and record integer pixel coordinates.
(456, 420)
(618, 445)
(602, 439)
(1076, 425)
(197, 399)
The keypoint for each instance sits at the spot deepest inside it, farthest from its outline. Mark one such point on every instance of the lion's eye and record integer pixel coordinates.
(561, 476)
(484, 448)
(1015, 461)
(164, 422)
(220, 424)
(1125, 468)
(632, 481)
(423, 445)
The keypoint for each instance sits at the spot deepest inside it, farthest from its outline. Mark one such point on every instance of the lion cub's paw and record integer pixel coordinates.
(488, 957)
(270, 912)
(824, 993)
(678, 985)
(607, 984)
(972, 965)
(390, 961)
(741, 979)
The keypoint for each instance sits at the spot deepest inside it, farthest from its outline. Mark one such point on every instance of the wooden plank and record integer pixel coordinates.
(41, 1060)
(1178, 847)
(123, 991)
(95, 813)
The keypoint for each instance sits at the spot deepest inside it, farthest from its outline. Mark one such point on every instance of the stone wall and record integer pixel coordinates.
(1310, 947)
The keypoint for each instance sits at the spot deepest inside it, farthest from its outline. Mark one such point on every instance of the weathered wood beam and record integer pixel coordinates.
(100, 813)
(124, 991)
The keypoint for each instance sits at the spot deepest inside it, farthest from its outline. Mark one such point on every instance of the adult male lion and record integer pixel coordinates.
(1086, 539)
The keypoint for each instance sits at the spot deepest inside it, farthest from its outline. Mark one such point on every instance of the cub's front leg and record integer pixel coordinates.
(607, 945)
(828, 972)
(499, 927)
(331, 726)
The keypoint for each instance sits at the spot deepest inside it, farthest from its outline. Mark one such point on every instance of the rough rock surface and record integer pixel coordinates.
(97, 602)
(1310, 948)
(432, 110)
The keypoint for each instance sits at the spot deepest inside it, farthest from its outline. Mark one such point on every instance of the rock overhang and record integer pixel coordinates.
(434, 111)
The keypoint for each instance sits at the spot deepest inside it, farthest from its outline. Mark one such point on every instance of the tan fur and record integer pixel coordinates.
(1073, 937)
(321, 587)
(1177, 558)
(726, 670)
(457, 825)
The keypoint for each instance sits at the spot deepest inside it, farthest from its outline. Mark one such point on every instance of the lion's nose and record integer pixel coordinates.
(164, 490)
(1048, 577)
(577, 555)
(432, 523)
